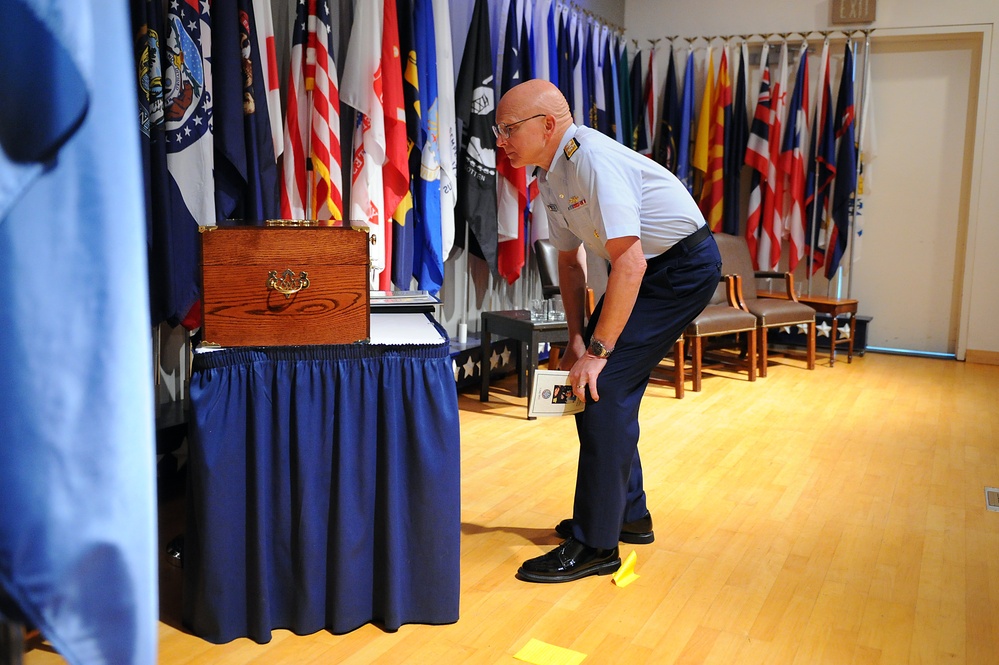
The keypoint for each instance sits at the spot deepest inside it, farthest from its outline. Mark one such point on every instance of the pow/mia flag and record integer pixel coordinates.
(476, 113)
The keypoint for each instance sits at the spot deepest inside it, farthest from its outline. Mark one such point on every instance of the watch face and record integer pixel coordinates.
(598, 349)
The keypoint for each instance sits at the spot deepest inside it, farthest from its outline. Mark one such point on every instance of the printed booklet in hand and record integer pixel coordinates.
(552, 395)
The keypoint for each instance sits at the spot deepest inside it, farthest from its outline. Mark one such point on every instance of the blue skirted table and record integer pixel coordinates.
(323, 490)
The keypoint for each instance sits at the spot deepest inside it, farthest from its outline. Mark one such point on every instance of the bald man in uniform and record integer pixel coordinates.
(664, 267)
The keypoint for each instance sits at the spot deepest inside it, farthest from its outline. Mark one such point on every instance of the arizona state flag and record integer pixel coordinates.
(476, 112)
(713, 193)
(702, 139)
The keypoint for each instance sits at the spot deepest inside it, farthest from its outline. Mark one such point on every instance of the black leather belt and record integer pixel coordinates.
(688, 243)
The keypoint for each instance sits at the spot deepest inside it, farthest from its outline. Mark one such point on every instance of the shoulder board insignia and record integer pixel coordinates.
(570, 148)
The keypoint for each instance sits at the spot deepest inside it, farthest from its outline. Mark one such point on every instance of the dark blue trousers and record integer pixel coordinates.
(609, 491)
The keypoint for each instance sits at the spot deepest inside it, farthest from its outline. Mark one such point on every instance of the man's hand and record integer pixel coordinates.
(584, 373)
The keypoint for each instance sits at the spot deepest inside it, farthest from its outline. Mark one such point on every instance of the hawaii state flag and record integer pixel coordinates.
(792, 160)
(761, 195)
(772, 225)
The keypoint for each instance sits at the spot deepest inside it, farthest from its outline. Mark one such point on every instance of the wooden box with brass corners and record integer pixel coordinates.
(284, 285)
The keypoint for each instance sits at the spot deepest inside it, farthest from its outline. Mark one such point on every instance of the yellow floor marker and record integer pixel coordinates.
(626, 574)
(541, 653)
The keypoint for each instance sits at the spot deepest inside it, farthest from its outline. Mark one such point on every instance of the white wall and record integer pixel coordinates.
(979, 282)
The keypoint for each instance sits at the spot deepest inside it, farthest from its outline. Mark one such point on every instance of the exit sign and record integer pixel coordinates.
(853, 11)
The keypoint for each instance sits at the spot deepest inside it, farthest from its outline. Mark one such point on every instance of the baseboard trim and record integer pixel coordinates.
(982, 357)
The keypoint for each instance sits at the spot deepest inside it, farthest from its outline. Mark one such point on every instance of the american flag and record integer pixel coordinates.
(312, 123)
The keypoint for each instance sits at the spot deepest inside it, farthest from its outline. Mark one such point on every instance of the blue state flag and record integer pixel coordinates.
(551, 30)
(428, 259)
(683, 171)
(77, 509)
(736, 137)
(846, 167)
(245, 170)
(188, 108)
(564, 59)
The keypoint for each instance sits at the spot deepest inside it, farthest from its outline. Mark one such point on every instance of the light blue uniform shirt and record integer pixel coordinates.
(597, 189)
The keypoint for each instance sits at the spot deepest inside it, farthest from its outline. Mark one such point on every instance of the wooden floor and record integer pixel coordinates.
(832, 516)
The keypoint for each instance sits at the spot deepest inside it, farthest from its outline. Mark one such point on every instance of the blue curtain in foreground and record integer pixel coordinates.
(77, 468)
(323, 490)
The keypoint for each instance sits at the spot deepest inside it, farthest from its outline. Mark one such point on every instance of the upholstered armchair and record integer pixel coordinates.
(769, 312)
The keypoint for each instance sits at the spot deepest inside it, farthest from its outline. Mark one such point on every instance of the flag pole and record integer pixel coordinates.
(860, 153)
(463, 323)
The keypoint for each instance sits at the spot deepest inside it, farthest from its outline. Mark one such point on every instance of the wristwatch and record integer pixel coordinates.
(598, 349)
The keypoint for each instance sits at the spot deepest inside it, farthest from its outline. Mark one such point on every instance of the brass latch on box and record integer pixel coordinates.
(287, 284)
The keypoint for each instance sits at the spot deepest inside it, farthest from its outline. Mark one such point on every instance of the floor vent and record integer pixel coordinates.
(992, 498)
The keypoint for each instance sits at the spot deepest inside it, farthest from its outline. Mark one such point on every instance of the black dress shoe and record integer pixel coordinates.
(638, 532)
(570, 561)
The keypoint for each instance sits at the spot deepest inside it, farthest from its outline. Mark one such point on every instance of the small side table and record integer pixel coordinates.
(517, 324)
(834, 307)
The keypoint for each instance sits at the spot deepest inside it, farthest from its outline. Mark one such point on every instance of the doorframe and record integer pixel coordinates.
(980, 35)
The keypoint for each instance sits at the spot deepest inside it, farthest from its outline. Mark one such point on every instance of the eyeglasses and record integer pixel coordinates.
(502, 130)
